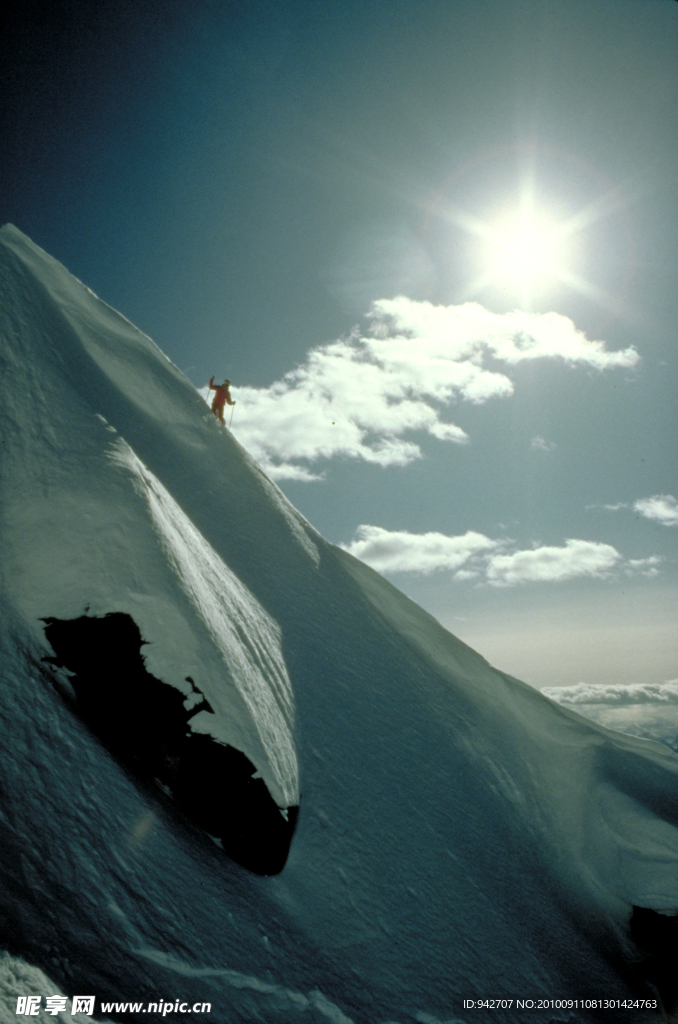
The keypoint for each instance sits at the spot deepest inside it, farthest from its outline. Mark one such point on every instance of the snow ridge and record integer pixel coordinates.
(246, 636)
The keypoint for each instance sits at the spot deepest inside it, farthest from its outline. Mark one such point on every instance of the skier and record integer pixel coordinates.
(222, 396)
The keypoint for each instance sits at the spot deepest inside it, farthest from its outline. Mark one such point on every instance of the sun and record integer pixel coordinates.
(534, 244)
(527, 247)
(525, 253)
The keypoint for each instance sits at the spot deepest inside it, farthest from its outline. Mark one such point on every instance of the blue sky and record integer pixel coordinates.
(434, 248)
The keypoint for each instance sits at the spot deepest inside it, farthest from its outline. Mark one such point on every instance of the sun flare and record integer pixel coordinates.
(529, 246)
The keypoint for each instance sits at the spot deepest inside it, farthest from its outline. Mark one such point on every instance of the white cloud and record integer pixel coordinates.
(661, 507)
(538, 444)
(615, 694)
(400, 551)
(553, 564)
(469, 331)
(473, 556)
(359, 396)
(644, 566)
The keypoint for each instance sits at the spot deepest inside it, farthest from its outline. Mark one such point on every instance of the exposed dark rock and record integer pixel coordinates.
(657, 936)
(144, 724)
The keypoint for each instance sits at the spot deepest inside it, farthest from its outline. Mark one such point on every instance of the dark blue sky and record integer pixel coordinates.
(207, 167)
(243, 180)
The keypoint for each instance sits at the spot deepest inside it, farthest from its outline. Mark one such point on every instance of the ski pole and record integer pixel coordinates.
(231, 419)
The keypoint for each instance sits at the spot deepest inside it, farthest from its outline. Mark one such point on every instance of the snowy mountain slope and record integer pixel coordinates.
(459, 835)
(130, 530)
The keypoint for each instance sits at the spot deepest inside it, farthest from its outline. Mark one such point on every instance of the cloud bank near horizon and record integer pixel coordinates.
(358, 397)
(614, 695)
(645, 710)
(473, 556)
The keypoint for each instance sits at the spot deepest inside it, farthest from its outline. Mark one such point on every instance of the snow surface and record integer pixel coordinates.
(459, 834)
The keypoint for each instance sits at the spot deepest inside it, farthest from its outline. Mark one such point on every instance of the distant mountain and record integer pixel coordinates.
(240, 767)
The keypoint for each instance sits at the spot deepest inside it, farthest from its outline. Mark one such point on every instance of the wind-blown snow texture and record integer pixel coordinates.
(459, 835)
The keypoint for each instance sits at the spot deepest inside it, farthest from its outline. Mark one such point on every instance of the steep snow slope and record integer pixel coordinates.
(459, 835)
